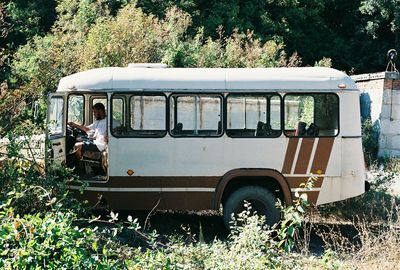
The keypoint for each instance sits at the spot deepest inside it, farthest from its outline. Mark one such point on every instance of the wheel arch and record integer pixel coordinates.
(264, 177)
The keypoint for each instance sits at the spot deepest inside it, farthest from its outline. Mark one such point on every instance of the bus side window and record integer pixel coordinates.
(196, 115)
(311, 115)
(327, 114)
(255, 115)
(147, 117)
(118, 124)
(76, 106)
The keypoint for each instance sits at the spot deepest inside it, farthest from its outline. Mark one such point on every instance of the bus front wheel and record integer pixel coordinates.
(262, 202)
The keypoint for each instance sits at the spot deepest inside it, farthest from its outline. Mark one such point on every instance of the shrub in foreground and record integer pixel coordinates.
(50, 241)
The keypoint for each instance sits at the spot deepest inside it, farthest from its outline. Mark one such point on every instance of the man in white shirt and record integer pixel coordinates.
(98, 141)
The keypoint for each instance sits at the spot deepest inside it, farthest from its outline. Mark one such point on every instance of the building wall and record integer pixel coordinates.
(383, 90)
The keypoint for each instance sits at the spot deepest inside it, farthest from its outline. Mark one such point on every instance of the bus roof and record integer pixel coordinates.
(209, 79)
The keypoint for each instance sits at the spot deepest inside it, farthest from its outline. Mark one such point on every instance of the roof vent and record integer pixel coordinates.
(147, 65)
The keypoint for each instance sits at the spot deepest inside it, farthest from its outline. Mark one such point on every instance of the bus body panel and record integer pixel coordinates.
(207, 79)
(192, 162)
(350, 116)
(58, 149)
(193, 156)
(353, 172)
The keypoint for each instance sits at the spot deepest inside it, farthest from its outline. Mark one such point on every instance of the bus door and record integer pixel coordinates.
(56, 129)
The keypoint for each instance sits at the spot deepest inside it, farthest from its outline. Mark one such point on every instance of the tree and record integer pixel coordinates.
(312, 28)
(23, 20)
(382, 15)
(4, 29)
(87, 36)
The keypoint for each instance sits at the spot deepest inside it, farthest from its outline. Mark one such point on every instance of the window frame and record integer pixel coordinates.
(127, 108)
(311, 94)
(222, 113)
(271, 94)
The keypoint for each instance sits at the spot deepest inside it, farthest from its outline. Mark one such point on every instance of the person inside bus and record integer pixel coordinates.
(97, 132)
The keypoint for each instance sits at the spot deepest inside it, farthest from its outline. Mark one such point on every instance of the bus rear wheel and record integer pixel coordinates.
(262, 201)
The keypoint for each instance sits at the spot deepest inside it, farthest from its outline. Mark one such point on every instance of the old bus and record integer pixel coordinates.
(197, 138)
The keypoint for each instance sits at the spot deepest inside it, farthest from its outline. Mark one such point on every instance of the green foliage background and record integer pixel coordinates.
(43, 40)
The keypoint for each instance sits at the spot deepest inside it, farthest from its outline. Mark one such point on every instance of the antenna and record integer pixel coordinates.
(391, 56)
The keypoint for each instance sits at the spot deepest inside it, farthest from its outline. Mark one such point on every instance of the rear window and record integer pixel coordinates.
(311, 115)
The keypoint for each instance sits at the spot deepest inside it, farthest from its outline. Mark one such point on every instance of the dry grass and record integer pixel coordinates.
(378, 249)
(361, 243)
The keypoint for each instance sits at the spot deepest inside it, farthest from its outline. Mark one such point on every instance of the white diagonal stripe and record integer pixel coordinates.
(311, 161)
(296, 155)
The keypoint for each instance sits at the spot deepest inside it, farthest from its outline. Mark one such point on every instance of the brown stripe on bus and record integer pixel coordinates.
(289, 157)
(158, 181)
(148, 200)
(188, 200)
(303, 158)
(119, 200)
(294, 182)
(322, 155)
(312, 196)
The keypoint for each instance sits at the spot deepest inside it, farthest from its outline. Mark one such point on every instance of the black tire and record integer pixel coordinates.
(261, 199)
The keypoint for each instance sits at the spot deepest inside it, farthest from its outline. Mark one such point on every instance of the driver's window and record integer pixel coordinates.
(76, 105)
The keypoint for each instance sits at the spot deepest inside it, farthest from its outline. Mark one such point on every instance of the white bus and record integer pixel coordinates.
(198, 138)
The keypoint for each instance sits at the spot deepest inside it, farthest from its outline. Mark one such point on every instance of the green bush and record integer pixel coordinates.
(50, 241)
(38, 217)
(24, 175)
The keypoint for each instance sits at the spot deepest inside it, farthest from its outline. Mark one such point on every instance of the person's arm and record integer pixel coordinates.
(81, 127)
